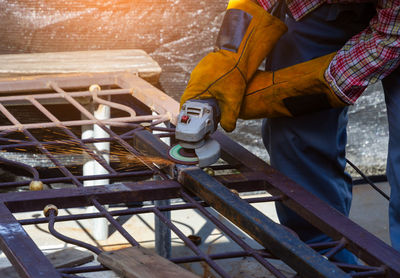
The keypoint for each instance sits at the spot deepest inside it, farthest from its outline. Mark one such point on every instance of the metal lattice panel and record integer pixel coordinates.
(137, 170)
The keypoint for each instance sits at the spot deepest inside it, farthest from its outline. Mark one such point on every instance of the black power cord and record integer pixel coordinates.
(368, 180)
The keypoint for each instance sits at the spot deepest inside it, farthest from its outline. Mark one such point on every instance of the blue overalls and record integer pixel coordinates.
(310, 149)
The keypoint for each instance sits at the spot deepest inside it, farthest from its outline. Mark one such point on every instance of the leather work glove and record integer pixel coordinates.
(247, 35)
(292, 91)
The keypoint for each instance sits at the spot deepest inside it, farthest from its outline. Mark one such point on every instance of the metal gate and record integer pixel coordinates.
(137, 170)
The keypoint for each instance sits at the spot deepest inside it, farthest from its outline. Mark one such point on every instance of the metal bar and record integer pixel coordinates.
(149, 144)
(115, 223)
(77, 197)
(54, 232)
(82, 269)
(163, 243)
(220, 256)
(143, 174)
(157, 100)
(162, 232)
(40, 83)
(21, 250)
(340, 246)
(21, 144)
(110, 92)
(26, 167)
(278, 240)
(113, 121)
(360, 268)
(372, 273)
(134, 211)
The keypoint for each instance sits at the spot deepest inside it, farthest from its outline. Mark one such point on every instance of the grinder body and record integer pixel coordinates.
(197, 120)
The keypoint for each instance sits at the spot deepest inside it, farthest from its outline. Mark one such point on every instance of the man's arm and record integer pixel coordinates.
(368, 56)
(334, 80)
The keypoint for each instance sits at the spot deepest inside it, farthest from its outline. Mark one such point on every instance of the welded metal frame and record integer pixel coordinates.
(175, 181)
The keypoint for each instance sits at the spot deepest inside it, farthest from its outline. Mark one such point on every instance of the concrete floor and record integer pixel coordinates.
(369, 210)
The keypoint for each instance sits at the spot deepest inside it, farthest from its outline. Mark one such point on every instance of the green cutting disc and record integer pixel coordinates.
(183, 156)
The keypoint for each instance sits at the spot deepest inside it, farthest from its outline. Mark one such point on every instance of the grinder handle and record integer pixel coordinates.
(216, 111)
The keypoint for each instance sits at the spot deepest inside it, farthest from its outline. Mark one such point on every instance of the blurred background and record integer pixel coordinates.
(176, 34)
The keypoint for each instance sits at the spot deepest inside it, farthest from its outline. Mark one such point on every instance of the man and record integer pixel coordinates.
(330, 53)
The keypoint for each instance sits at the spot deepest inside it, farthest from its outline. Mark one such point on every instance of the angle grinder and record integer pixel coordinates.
(197, 120)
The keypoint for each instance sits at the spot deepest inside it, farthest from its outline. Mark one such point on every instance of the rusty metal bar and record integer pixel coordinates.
(54, 232)
(144, 174)
(24, 100)
(15, 243)
(134, 211)
(117, 226)
(78, 197)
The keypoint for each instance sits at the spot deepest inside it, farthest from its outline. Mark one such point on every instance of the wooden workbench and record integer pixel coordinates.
(134, 60)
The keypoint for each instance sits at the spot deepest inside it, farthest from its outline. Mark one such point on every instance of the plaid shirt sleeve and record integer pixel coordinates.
(268, 4)
(368, 56)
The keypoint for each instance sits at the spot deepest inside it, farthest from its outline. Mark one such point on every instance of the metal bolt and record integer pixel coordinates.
(94, 88)
(234, 191)
(209, 171)
(48, 208)
(195, 239)
(145, 125)
(36, 185)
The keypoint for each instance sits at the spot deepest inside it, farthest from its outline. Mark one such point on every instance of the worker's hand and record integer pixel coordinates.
(292, 91)
(247, 35)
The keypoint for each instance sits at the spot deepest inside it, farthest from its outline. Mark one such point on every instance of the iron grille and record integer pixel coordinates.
(138, 172)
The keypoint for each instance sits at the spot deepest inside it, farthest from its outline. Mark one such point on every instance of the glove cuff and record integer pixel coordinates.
(247, 35)
(292, 91)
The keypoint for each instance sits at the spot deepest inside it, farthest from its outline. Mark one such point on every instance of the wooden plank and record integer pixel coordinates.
(68, 257)
(134, 60)
(139, 262)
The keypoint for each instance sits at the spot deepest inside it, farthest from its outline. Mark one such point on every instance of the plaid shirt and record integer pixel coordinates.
(368, 56)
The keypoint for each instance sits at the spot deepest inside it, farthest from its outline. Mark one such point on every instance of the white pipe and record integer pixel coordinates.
(99, 226)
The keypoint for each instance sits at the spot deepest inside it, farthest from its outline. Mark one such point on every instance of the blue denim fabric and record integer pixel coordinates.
(391, 86)
(310, 149)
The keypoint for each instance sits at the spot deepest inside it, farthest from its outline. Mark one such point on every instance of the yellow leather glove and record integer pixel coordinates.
(247, 35)
(292, 91)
